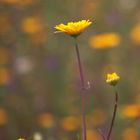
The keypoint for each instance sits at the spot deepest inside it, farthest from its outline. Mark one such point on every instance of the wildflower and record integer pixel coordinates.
(135, 34)
(3, 117)
(23, 3)
(73, 29)
(105, 40)
(112, 79)
(70, 123)
(46, 120)
(91, 135)
(130, 134)
(31, 25)
(131, 111)
(21, 139)
(10, 1)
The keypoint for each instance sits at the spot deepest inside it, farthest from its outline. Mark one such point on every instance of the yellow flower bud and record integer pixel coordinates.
(112, 79)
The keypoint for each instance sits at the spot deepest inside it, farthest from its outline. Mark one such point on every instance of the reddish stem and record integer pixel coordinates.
(80, 66)
(114, 116)
(83, 93)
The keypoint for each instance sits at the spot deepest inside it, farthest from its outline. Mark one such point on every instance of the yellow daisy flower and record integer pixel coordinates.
(112, 79)
(73, 29)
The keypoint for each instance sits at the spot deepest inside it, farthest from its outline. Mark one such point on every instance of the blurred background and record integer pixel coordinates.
(39, 77)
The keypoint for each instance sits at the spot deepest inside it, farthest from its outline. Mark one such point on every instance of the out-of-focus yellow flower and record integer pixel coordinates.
(21, 139)
(4, 76)
(20, 2)
(135, 34)
(70, 123)
(3, 117)
(10, 1)
(130, 134)
(25, 2)
(93, 135)
(46, 120)
(31, 25)
(112, 79)
(131, 111)
(73, 29)
(105, 40)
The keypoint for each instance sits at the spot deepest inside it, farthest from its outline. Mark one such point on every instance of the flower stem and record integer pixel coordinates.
(114, 116)
(101, 134)
(83, 89)
(80, 66)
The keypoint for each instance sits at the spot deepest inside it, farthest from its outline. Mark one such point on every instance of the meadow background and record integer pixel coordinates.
(39, 78)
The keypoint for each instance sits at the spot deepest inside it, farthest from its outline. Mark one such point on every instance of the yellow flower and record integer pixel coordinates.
(130, 134)
(70, 123)
(3, 117)
(10, 1)
(46, 120)
(105, 40)
(93, 135)
(112, 79)
(26, 2)
(20, 139)
(31, 25)
(73, 29)
(131, 111)
(135, 34)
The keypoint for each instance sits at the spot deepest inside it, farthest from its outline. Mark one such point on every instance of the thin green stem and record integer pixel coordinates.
(114, 116)
(83, 88)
